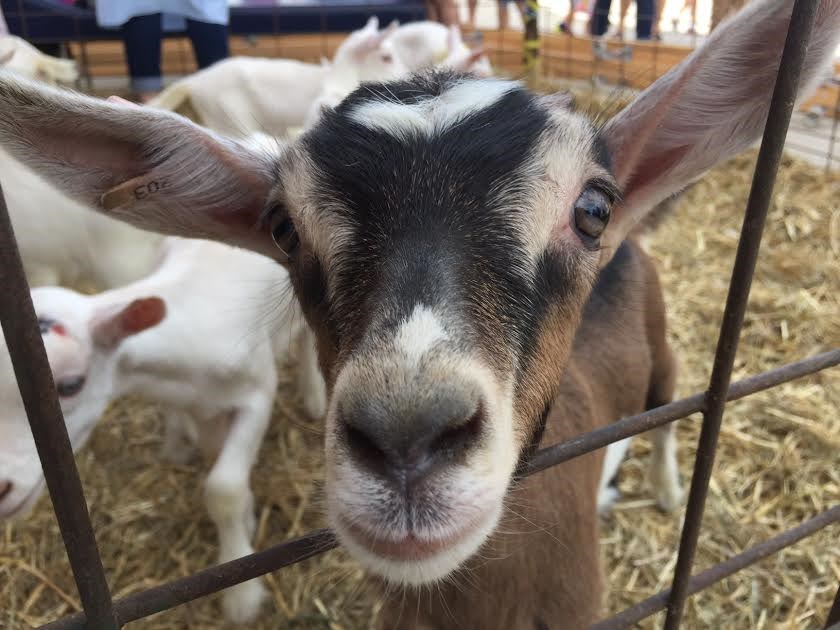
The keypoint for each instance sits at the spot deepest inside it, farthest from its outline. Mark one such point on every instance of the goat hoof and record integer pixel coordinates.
(670, 497)
(242, 603)
(607, 498)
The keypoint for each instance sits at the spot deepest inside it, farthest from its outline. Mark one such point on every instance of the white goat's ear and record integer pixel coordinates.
(454, 41)
(706, 109)
(391, 28)
(372, 25)
(110, 327)
(148, 167)
(6, 57)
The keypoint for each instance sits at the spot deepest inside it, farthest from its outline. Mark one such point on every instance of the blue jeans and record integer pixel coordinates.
(142, 36)
(645, 10)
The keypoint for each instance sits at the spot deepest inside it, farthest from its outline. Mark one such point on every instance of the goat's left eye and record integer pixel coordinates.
(283, 233)
(45, 324)
(592, 213)
(70, 386)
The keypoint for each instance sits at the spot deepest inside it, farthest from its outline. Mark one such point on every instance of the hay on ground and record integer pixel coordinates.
(778, 462)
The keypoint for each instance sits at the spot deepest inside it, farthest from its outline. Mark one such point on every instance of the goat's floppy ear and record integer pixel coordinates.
(111, 327)
(6, 57)
(148, 167)
(708, 108)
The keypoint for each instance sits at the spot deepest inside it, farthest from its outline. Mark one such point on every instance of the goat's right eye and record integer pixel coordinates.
(283, 233)
(592, 213)
(45, 324)
(70, 386)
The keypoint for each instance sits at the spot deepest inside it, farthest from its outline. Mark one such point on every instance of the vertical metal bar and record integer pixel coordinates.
(531, 43)
(772, 143)
(829, 160)
(833, 620)
(34, 378)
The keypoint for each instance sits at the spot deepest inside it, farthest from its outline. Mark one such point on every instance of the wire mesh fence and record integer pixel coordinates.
(560, 56)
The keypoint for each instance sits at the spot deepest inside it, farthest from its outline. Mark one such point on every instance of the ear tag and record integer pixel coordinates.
(141, 188)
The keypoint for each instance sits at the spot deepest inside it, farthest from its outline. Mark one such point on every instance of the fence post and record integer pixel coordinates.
(531, 57)
(34, 378)
(764, 177)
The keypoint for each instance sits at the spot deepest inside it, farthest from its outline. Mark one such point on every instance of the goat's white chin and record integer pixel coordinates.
(412, 561)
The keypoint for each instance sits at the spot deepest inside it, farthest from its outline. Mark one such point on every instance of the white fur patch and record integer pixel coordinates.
(419, 333)
(432, 115)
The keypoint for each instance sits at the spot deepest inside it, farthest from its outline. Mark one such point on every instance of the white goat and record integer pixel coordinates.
(212, 331)
(64, 243)
(242, 95)
(18, 55)
(426, 44)
(245, 94)
(366, 55)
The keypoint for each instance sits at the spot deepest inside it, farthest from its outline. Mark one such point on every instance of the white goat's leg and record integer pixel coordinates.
(664, 474)
(607, 494)
(313, 389)
(178, 446)
(230, 502)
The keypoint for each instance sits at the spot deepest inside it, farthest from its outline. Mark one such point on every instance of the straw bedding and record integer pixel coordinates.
(778, 462)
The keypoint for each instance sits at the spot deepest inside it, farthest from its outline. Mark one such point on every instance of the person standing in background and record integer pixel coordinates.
(142, 23)
(644, 18)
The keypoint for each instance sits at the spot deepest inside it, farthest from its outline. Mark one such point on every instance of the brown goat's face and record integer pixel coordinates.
(442, 243)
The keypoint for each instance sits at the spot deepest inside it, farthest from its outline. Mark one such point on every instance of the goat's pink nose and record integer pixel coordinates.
(5, 488)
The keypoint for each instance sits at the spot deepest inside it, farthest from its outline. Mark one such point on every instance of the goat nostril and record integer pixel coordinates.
(460, 436)
(5, 489)
(362, 444)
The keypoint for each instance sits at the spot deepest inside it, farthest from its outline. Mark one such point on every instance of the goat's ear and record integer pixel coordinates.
(454, 41)
(708, 108)
(148, 167)
(110, 327)
(6, 57)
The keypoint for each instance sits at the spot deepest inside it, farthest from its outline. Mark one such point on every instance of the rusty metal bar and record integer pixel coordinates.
(216, 578)
(210, 580)
(630, 616)
(761, 192)
(633, 425)
(34, 379)
(833, 620)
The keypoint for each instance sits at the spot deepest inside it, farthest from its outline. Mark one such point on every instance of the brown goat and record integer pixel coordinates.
(456, 245)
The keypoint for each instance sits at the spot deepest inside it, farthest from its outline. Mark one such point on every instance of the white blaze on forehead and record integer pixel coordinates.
(566, 154)
(434, 114)
(419, 333)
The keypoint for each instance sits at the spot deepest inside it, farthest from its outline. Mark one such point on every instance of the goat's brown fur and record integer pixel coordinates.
(541, 568)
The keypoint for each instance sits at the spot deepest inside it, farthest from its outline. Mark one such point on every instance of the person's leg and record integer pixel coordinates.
(644, 18)
(431, 10)
(660, 7)
(209, 42)
(447, 12)
(504, 20)
(622, 15)
(471, 8)
(566, 25)
(141, 38)
(600, 17)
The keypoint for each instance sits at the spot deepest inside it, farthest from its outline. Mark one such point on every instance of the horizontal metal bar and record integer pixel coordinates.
(216, 578)
(633, 425)
(629, 616)
(210, 580)
(37, 390)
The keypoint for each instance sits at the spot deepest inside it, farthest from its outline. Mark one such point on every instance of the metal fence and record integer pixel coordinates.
(101, 612)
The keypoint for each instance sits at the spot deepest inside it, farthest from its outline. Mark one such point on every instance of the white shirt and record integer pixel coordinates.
(115, 13)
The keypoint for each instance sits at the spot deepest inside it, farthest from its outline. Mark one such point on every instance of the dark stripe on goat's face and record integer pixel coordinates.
(439, 220)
